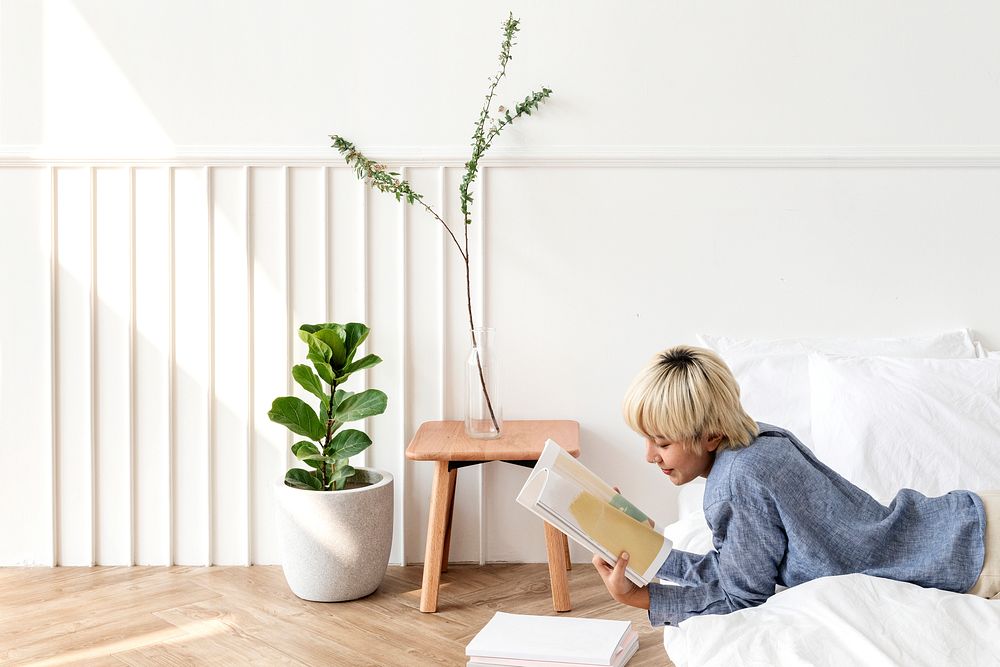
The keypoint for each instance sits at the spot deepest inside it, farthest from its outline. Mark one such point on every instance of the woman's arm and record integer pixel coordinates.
(688, 569)
(621, 588)
(741, 574)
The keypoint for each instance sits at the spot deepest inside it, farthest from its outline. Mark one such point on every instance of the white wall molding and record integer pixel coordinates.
(916, 226)
(898, 156)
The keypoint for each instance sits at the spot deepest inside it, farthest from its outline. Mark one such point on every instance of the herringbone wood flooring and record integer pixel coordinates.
(248, 616)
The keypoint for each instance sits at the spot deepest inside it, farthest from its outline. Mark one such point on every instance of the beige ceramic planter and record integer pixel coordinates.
(335, 544)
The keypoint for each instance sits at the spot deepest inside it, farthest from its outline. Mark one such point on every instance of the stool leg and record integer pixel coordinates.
(452, 477)
(557, 568)
(435, 538)
(565, 541)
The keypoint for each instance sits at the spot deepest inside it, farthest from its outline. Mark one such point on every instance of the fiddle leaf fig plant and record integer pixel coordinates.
(331, 350)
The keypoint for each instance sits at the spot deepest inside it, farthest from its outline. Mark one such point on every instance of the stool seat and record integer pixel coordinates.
(521, 442)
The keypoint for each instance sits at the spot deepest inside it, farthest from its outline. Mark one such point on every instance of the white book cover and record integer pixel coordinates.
(564, 492)
(626, 649)
(588, 641)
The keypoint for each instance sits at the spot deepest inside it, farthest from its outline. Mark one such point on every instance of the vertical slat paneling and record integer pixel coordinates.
(54, 356)
(227, 480)
(171, 373)
(444, 250)
(131, 367)
(479, 309)
(27, 438)
(327, 193)
(423, 345)
(192, 288)
(365, 376)
(270, 345)
(347, 249)
(93, 366)
(251, 396)
(179, 439)
(153, 212)
(307, 271)
(465, 521)
(385, 240)
(211, 433)
(286, 223)
(503, 516)
(355, 283)
(74, 354)
(404, 394)
(193, 368)
(112, 303)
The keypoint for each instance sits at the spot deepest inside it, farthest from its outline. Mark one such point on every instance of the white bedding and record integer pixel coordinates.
(852, 619)
(858, 619)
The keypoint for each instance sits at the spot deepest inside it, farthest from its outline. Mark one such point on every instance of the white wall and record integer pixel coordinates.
(760, 169)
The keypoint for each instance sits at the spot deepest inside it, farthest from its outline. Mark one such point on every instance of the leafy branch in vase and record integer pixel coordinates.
(379, 178)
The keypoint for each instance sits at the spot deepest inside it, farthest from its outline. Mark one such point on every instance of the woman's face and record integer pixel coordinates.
(679, 464)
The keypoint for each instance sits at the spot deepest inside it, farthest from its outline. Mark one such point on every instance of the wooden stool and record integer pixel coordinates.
(520, 443)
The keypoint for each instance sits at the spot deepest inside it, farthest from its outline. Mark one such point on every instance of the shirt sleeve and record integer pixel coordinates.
(742, 573)
(689, 569)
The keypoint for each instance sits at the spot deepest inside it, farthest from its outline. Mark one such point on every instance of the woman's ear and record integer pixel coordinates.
(712, 442)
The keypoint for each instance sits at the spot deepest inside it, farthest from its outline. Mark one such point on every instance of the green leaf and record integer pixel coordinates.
(366, 361)
(339, 396)
(348, 443)
(316, 460)
(334, 340)
(303, 479)
(304, 448)
(294, 413)
(356, 334)
(364, 404)
(318, 350)
(324, 369)
(342, 474)
(311, 383)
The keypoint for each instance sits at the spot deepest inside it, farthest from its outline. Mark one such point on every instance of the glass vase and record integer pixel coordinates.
(483, 412)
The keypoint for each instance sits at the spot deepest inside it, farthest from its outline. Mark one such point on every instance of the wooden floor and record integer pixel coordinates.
(248, 616)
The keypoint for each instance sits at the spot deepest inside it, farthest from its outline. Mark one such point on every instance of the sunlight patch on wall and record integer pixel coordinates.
(90, 106)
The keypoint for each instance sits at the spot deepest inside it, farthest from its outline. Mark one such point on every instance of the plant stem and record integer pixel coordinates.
(464, 255)
(329, 427)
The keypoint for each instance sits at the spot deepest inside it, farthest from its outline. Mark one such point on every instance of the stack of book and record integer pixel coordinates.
(520, 640)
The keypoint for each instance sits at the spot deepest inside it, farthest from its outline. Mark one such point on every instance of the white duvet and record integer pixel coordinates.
(852, 619)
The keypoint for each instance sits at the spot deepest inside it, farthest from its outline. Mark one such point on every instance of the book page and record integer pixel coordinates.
(569, 467)
(564, 493)
(606, 525)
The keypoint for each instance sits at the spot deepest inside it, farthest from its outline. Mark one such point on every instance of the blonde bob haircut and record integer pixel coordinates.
(685, 393)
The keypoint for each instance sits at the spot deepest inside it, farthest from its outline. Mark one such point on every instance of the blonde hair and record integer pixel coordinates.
(685, 393)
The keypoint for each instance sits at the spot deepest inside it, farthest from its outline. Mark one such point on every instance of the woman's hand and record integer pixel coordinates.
(620, 587)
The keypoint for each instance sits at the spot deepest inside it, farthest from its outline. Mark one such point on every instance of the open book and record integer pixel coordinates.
(564, 492)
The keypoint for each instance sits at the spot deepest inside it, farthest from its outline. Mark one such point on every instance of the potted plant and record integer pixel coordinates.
(334, 520)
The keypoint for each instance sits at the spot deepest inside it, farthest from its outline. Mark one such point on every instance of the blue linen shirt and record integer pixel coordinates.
(780, 516)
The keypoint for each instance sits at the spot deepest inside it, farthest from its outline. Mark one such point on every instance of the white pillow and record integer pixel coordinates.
(773, 375)
(956, 344)
(690, 533)
(690, 498)
(774, 389)
(993, 355)
(927, 424)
